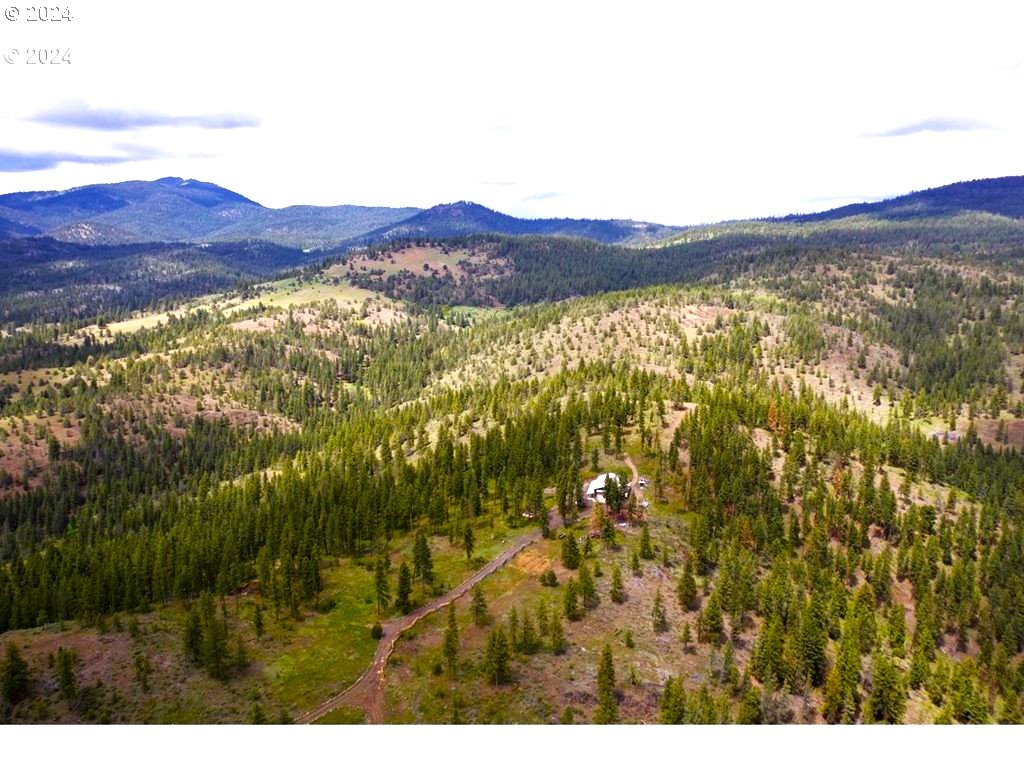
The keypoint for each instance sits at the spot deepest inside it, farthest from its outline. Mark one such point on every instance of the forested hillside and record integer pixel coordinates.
(213, 510)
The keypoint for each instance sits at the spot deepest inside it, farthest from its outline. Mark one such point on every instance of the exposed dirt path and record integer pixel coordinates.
(636, 474)
(367, 692)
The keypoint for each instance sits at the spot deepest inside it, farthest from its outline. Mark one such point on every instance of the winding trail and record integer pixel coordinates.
(367, 692)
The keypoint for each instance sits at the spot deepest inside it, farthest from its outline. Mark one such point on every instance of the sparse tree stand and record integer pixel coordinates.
(607, 703)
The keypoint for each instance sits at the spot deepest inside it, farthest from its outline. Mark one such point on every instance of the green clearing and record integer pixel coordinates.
(328, 652)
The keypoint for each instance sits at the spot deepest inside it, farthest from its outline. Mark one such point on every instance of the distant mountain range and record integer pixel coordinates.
(464, 218)
(1003, 196)
(174, 210)
(180, 210)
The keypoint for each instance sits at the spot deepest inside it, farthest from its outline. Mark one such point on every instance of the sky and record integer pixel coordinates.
(679, 113)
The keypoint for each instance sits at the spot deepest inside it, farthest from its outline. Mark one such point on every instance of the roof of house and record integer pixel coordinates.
(598, 483)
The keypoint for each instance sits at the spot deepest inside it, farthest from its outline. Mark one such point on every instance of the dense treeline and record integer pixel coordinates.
(48, 281)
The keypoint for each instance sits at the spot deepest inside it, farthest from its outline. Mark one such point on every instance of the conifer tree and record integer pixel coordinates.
(686, 590)
(617, 590)
(529, 642)
(571, 599)
(404, 591)
(556, 635)
(451, 642)
(686, 636)
(888, 698)
(710, 623)
(381, 586)
(588, 590)
(496, 660)
(750, 712)
(658, 616)
(468, 541)
(607, 702)
(143, 668)
(422, 562)
(570, 551)
(646, 546)
(192, 635)
(478, 606)
(14, 675)
(672, 709)
(257, 621)
(67, 677)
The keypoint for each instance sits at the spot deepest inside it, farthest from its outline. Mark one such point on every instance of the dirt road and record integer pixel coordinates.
(367, 692)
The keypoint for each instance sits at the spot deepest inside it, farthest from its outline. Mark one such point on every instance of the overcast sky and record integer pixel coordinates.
(713, 111)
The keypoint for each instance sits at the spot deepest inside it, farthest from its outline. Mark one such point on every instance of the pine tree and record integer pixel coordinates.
(143, 669)
(686, 636)
(658, 613)
(257, 621)
(381, 586)
(646, 547)
(617, 591)
(67, 677)
(556, 635)
(422, 562)
(686, 590)
(750, 712)
(813, 640)
(192, 635)
(710, 623)
(888, 698)
(14, 675)
(588, 590)
(451, 641)
(571, 598)
(634, 563)
(241, 655)
(607, 703)
(766, 660)
(529, 643)
(497, 657)
(404, 592)
(478, 606)
(570, 552)
(672, 710)
(468, 541)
